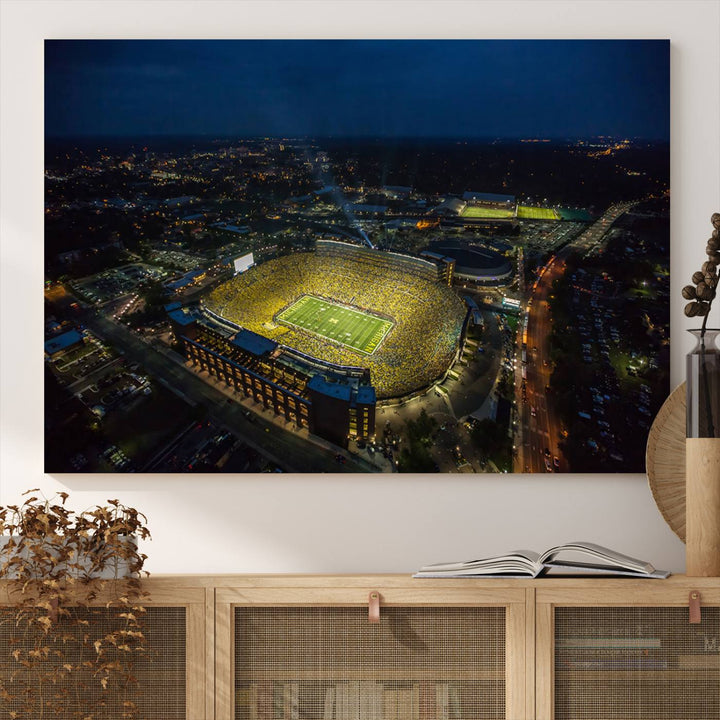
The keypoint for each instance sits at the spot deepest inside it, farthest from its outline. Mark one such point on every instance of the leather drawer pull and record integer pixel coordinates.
(374, 607)
(694, 604)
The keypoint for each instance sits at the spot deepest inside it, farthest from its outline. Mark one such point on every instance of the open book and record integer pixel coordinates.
(575, 558)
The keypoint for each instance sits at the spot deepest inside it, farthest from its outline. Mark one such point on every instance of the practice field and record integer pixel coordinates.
(475, 211)
(351, 328)
(535, 213)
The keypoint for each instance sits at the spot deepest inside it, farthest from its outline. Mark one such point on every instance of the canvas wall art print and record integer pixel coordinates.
(426, 256)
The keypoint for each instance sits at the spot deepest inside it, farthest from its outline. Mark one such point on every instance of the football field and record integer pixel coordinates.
(537, 213)
(476, 211)
(353, 328)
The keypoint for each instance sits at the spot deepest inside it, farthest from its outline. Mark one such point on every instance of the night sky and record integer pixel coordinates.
(378, 88)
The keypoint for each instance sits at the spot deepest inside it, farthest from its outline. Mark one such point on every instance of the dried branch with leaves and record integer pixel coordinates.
(71, 610)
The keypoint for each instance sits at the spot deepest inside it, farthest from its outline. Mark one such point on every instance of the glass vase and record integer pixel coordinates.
(703, 386)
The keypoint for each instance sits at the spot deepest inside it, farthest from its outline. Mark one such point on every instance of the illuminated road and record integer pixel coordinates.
(539, 429)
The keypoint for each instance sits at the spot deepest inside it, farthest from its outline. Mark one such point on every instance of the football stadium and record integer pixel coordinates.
(350, 306)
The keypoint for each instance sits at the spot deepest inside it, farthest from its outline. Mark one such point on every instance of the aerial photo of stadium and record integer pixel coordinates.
(350, 306)
(429, 264)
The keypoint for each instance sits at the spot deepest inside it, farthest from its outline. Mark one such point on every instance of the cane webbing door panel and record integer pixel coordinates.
(627, 656)
(159, 670)
(300, 655)
(331, 662)
(168, 678)
(634, 662)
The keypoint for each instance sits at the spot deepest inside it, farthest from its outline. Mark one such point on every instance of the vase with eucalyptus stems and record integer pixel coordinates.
(702, 476)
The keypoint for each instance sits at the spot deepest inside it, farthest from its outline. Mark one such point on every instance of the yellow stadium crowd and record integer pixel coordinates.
(427, 316)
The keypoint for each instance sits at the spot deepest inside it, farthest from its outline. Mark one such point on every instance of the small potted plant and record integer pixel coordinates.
(70, 609)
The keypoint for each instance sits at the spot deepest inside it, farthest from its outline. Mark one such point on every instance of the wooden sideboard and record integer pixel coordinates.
(264, 647)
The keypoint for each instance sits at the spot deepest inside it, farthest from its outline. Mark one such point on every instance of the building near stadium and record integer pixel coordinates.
(445, 266)
(451, 206)
(59, 344)
(479, 265)
(334, 405)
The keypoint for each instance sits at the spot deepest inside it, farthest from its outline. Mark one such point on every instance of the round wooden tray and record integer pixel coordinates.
(665, 460)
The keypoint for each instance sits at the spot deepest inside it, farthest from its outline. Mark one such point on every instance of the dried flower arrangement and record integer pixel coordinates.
(71, 609)
(702, 293)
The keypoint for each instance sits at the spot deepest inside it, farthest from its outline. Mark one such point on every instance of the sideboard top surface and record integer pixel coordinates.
(393, 580)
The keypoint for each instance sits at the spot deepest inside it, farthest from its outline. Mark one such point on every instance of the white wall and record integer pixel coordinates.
(341, 523)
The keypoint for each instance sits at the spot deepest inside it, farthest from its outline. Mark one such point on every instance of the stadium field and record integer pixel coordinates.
(474, 211)
(535, 213)
(352, 328)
